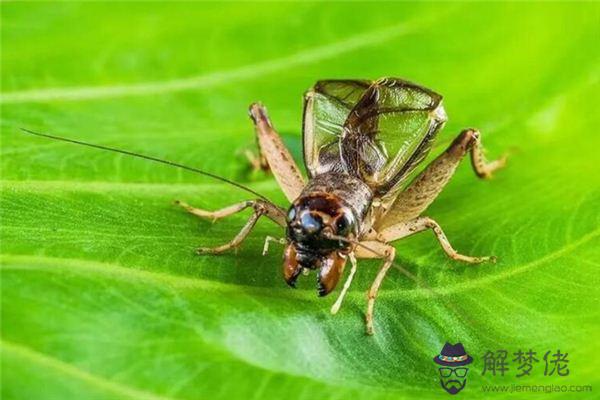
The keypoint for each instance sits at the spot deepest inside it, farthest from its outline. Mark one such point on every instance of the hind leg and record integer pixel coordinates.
(274, 153)
(423, 190)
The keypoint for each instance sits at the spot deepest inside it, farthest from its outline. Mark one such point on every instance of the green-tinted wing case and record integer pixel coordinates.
(389, 132)
(326, 108)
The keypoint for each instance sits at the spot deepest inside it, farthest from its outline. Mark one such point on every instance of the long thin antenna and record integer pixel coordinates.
(145, 157)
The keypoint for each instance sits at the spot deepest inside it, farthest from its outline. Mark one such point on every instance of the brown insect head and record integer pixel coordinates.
(311, 220)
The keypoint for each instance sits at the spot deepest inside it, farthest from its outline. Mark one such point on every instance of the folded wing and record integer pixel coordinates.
(326, 108)
(389, 132)
(378, 131)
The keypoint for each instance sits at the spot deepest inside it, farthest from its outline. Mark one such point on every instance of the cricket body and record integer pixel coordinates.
(362, 139)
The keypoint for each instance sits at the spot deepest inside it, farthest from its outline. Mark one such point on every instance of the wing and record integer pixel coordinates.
(389, 131)
(326, 108)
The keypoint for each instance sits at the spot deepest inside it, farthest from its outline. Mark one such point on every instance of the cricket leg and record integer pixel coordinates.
(215, 215)
(258, 162)
(471, 138)
(259, 207)
(338, 303)
(269, 240)
(277, 156)
(404, 229)
(270, 210)
(236, 241)
(375, 249)
(423, 190)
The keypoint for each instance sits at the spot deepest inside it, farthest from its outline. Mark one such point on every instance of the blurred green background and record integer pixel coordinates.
(102, 296)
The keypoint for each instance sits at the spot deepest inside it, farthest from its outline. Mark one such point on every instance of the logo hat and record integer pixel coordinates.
(453, 355)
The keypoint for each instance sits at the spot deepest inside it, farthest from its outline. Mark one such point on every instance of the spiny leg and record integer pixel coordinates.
(338, 303)
(423, 190)
(404, 229)
(260, 208)
(374, 249)
(270, 210)
(483, 168)
(218, 214)
(277, 156)
(236, 241)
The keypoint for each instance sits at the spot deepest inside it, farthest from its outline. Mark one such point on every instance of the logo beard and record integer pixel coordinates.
(453, 386)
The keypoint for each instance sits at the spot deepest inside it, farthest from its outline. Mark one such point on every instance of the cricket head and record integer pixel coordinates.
(312, 222)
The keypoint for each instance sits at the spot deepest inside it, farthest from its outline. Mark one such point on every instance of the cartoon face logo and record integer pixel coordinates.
(453, 371)
(453, 384)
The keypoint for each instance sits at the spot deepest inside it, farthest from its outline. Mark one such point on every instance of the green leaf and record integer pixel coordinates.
(102, 294)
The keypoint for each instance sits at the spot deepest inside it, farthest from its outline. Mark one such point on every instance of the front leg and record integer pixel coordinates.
(338, 303)
(215, 215)
(269, 240)
(375, 249)
(260, 208)
(404, 229)
(270, 210)
(236, 241)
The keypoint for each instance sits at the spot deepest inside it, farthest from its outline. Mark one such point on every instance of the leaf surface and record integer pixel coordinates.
(102, 295)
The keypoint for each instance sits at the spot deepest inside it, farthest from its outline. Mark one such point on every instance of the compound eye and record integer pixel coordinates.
(291, 214)
(344, 224)
(311, 224)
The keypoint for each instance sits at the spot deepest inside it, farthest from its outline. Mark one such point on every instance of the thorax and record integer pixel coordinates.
(352, 191)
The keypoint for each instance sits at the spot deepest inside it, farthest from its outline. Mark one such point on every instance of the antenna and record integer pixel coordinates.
(145, 157)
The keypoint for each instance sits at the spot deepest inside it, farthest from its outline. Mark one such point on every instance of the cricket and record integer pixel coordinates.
(361, 142)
